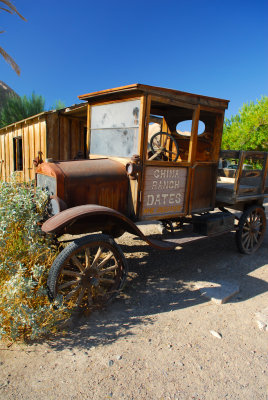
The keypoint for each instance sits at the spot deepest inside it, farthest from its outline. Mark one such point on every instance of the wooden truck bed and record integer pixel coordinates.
(239, 185)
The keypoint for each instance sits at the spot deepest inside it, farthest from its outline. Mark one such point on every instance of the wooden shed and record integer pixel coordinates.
(59, 134)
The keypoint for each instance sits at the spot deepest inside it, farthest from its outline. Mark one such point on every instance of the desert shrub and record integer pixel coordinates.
(25, 258)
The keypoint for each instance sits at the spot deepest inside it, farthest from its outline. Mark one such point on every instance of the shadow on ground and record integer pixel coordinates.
(164, 281)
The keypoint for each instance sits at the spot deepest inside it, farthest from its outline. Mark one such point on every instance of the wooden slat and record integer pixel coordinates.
(26, 161)
(265, 176)
(7, 156)
(229, 153)
(1, 159)
(217, 137)
(31, 150)
(193, 139)
(53, 136)
(43, 137)
(239, 171)
(88, 129)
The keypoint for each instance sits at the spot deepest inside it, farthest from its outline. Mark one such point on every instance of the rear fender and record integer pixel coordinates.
(94, 218)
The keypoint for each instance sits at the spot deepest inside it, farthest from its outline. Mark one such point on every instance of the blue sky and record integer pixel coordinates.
(215, 48)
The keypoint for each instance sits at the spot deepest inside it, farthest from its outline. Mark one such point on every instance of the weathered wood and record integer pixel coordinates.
(171, 94)
(193, 138)
(163, 191)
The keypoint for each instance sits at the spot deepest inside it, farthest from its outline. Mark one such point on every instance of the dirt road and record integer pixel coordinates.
(154, 341)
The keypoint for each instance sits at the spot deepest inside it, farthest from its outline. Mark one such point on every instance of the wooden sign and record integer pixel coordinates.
(164, 191)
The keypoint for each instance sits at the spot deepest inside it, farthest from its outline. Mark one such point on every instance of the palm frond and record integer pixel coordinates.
(12, 10)
(10, 60)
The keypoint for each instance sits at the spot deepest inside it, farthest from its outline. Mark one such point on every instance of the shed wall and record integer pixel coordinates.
(65, 137)
(33, 134)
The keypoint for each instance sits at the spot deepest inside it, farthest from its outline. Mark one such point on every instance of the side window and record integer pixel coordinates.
(17, 154)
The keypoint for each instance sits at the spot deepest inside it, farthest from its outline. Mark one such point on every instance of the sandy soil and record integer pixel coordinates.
(154, 341)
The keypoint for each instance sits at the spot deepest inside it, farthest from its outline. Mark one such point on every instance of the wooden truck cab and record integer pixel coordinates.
(180, 179)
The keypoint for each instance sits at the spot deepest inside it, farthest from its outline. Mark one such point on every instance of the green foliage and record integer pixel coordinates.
(25, 258)
(19, 108)
(57, 105)
(248, 130)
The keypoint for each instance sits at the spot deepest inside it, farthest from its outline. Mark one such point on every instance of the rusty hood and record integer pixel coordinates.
(100, 181)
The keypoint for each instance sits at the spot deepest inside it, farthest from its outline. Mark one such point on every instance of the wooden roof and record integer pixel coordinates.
(139, 89)
(75, 110)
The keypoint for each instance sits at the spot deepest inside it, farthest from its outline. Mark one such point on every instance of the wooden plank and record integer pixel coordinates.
(265, 176)
(1, 158)
(11, 152)
(163, 191)
(64, 138)
(217, 137)
(4, 157)
(239, 171)
(229, 153)
(173, 102)
(88, 130)
(31, 150)
(193, 138)
(37, 141)
(26, 151)
(7, 155)
(53, 136)
(43, 137)
(158, 91)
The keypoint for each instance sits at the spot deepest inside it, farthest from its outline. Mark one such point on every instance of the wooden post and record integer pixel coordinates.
(193, 139)
(88, 130)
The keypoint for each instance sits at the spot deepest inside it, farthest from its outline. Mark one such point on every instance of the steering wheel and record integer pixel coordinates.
(158, 144)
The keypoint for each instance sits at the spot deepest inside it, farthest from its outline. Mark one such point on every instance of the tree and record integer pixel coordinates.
(57, 105)
(7, 6)
(248, 130)
(19, 108)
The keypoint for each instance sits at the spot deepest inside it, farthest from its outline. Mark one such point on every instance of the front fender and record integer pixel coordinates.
(94, 218)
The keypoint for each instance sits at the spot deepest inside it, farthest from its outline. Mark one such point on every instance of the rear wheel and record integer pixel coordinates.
(251, 229)
(89, 271)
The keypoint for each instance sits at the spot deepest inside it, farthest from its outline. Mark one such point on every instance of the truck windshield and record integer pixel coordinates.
(114, 129)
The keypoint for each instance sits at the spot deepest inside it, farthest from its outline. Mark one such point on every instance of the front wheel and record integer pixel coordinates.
(89, 271)
(251, 229)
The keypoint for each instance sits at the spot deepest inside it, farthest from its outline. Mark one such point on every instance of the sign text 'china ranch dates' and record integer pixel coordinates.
(164, 191)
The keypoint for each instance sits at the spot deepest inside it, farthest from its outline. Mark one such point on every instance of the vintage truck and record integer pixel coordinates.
(143, 164)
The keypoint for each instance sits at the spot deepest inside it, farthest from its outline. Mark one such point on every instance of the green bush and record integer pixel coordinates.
(25, 258)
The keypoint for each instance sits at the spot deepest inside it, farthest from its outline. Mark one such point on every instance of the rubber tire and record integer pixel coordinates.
(241, 224)
(72, 248)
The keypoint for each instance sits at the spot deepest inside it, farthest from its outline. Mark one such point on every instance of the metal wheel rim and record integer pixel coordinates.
(252, 231)
(90, 275)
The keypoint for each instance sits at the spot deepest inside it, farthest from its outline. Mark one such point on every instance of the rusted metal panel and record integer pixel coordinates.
(92, 216)
(100, 181)
(164, 191)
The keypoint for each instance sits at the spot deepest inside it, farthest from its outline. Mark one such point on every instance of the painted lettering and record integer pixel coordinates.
(172, 198)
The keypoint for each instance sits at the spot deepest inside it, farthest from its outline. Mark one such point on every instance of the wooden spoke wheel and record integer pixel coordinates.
(158, 145)
(89, 271)
(251, 229)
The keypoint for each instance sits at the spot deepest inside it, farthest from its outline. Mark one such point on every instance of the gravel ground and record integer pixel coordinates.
(154, 340)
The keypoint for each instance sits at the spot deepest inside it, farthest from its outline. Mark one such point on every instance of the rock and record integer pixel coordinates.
(111, 363)
(262, 326)
(219, 292)
(262, 319)
(216, 334)
(119, 357)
